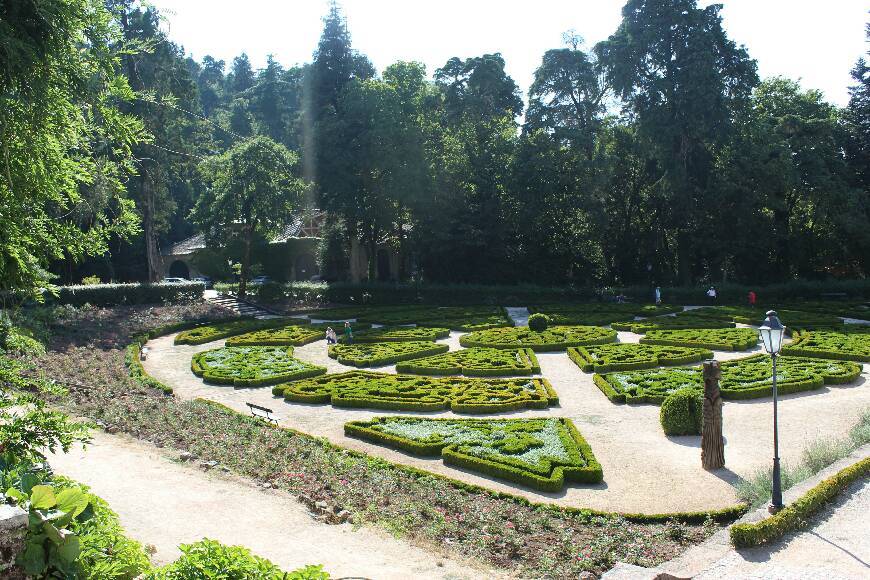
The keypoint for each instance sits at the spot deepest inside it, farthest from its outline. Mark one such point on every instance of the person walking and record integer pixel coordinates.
(658, 294)
(752, 298)
(711, 294)
(348, 333)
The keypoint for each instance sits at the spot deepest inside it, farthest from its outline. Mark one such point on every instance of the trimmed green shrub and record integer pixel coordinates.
(682, 412)
(251, 366)
(539, 322)
(126, 294)
(746, 378)
(851, 345)
(465, 318)
(551, 339)
(796, 516)
(679, 321)
(210, 332)
(606, 308)
(587, 319)
(397, 334)
(372, 390)
(383, 353)
(475, 362)
(539, 453)
(712, 338)
(626, 356)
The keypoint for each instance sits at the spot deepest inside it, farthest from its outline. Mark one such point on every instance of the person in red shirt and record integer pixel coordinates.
(752, 298)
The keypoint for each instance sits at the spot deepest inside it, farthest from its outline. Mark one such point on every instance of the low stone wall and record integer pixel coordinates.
(13, 527)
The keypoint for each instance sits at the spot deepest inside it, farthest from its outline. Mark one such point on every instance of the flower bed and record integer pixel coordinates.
(622, 357)
(678, 321)
(540, 453)
(398, 334)
(218, 330)
(747, 378)
(712, 338)
(251, 366)
(552, 339)
(383, 353)
(851, 345)
(292, 335)
(414, 393)
(475, 362)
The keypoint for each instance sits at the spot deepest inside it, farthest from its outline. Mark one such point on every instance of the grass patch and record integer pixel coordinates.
(554, 338)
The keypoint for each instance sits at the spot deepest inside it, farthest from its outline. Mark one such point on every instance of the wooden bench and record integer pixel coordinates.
(263, 413)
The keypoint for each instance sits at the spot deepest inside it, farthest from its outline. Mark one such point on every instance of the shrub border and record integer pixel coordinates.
(467, 342)
(794, 349)
(434, 349)
(535, 368)
(575, 354)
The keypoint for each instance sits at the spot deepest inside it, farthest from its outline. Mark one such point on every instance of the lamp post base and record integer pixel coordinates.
(773, 509)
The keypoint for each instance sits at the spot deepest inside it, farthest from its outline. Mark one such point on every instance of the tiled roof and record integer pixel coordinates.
(185, 247)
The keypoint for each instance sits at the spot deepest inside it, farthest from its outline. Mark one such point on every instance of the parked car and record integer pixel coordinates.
(174, 280)
(206, 281)
(261, 280)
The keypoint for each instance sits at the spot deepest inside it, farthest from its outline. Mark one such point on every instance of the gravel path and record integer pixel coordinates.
(165, 503)
(644, 471)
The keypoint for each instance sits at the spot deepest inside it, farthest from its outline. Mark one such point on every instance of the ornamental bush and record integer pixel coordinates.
(712, 338)
(383, 353)
(627, 356)
(475, 362)
(682, 412)
(215, 331)
(372, 390)
(126, 294)
(551, 339)
(539, 322)
(296, 334)
(682, 320)
(854, 344)
(251, 366)
(398, 334)
(462, 318)
(539, 453)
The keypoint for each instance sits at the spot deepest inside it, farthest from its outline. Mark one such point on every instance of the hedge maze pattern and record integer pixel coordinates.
(463, 318)
(218, 330)
(251, 366)
(383, 353)
(398, 334)
(622, 357)
(553, 338)
(851, 345)
(476, 362)
(711, 338)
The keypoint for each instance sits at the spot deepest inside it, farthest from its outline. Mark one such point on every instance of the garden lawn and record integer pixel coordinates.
(851, 345)
(414, 393)
(746, 378)
(383, 353)
(711, 338)
(477, 362)
(553, 338)
(539, 453)
(251, 366)
(621, 357)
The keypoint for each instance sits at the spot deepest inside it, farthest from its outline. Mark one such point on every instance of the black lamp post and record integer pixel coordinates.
(772, 332)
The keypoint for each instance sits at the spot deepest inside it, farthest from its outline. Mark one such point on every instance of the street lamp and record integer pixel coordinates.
(771, 332)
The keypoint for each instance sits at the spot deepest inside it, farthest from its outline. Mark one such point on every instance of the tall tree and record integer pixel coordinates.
(252, 191)
(241, 76)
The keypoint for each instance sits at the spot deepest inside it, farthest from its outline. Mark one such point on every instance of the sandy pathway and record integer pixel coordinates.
(165, 504)
(644, 471)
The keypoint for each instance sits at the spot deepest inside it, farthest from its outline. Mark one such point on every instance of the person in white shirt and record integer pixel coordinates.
(658, 295)
(711, 294)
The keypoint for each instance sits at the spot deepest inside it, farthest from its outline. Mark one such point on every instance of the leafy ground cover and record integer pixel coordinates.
(678, 321)
(370, 354)
(746, 378)
(218, 330)
(475, 362)
(87, 348)
(851, 345)
(552, 339)
(398, 334)
(415, 393)
(463, 318)
(251, 366)
(539, 453)
(712, 338)
(621, 357)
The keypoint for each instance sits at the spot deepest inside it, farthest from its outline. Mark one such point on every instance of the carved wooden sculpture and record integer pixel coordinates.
(712, 442)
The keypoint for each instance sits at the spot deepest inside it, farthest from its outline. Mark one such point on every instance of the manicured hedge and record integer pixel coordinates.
(126, 294)
(623, 357)
(539, 453)
(796, 516)
(397, 334)
(851, 345)
(746, 378)
(678, 321)
(554, 338)
(217, 330)
(475, 362)
(712, 338)
(295, 334)
(792, 319)
(462, 318)
(251, 366)
(365, 389)
(606, 309)
(373, 354)
(682, 412)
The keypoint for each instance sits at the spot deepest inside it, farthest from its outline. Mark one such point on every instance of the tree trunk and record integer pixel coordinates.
(246, 262)
(373, 258)
(152, 255)
(712, 442)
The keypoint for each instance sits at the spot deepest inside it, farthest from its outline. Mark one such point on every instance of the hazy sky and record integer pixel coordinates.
(815, 41)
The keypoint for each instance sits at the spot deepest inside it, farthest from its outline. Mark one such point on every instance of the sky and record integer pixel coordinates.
(815, 42)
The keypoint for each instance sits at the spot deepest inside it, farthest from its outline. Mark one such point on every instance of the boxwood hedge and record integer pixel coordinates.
(606, 308)
(746, 378)
(217, 330)
(397, 334)
(678, 321)
(553, 338)
(293, 335)
(712, 338)
(463, 318)
(539, 453)
(851, 345)
(373, 390)
(623, 357)
(251, 366)
(475, 362)
(383, 353)
(792, 319)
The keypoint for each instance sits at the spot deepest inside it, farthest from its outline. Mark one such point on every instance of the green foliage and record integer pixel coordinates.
(539, 322)
(792, 319)
(539, 453)
(127, 294)
(604, 308)
(212, 331)
(851, 345)
(414, 393)
(682, 412)
(397, 334)
(795, 516)
(712, 338)
(679, 321)
(622, 357)
(462, 318)
(746, 378)
(251, 366)
(383, 353)
(475, 362)
(293, 335)
(551, 339)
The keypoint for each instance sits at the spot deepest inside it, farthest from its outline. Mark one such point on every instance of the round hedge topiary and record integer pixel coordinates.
(682, 412)
(539, 322)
